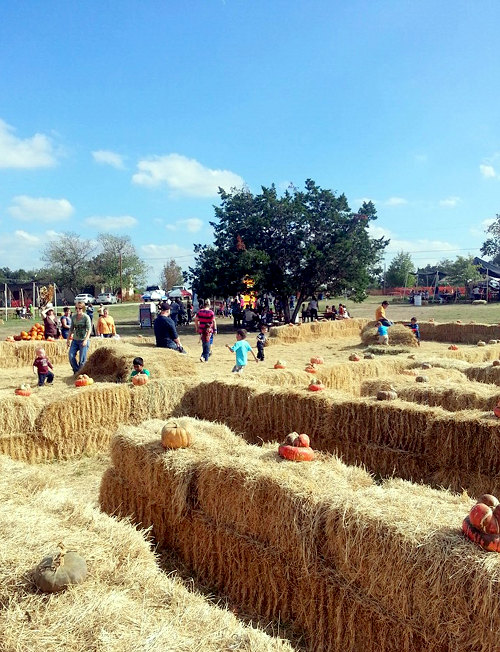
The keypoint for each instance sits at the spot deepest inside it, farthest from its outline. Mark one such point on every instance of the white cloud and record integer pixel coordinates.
(34, 152)
(430, 250)
(184, 176)
(450, 202)
(105, 157)
(40, 209)
(488, 171)
(193, 225)
(111, 223)
(395, 201)
(27, 238)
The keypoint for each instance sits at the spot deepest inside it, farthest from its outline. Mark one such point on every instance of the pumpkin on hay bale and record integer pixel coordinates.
(399, 335)
(114, 363)
(296, 448)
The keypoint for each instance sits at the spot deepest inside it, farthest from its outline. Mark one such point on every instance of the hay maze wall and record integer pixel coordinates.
(126, 603)
(309, 544)
(353, 564)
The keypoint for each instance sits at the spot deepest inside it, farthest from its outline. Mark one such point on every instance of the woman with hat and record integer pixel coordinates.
(50, 323)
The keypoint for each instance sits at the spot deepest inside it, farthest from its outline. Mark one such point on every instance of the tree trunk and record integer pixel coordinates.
(286, 309)
(300, 301)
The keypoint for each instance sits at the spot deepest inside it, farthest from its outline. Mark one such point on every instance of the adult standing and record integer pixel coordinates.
(380, 314)
(106, 324)
(313, 308)
(50, 323)
(205, 325)
(66, 322)
(165, 330)
(81, 329)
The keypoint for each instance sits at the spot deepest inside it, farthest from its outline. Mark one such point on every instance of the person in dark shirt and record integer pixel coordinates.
(165, 330)
(43, 366)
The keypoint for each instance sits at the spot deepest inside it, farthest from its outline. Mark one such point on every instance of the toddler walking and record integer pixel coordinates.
(42, 365)
(261, 342)
(383, 333)
(242, 348)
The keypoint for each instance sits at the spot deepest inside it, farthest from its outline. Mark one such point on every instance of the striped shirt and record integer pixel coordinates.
(205, 317)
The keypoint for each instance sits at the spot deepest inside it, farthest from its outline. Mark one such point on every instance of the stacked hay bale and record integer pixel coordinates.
(21, 354)
(332, 329)
(354, 565)
(458, 333)
(399, 335)
(409, 440)
(126, 602)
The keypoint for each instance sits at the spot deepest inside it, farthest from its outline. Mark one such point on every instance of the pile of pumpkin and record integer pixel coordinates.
(36, 332)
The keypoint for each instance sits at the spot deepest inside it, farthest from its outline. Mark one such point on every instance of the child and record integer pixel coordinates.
(415, 329)
(383, 333)
(138, 368)
(241, 347)
(42, 366)
(261, 342)
(206, 337)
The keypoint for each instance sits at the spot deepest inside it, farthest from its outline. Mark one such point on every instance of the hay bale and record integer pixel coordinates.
(114, 363)
(484, 373)
(126, 603)
(22, 354)
(394, 553)
(399, 335)
(332, 329)
(458, 333)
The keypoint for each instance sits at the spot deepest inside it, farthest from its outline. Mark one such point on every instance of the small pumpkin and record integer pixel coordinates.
(422, 379)
(453, 347)
(9, 338)
(280, 364)
(175, 436)
(23, 390)
(386, 395)
(58, 570)
(496, 363)
(354, 358)
(316, 359)
(296, 453)
(459, 321)
(83, 381)
(481, 343)
(310, 368)
(316, 385)
(426, 365)
(496, 410)
(482, 525)
(140, 379)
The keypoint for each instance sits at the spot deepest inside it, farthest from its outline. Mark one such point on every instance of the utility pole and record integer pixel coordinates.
(121, 283)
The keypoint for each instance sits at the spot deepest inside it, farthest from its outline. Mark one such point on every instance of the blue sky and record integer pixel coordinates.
(125, 117)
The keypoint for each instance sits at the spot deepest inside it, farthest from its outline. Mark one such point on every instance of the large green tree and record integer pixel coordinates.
(68, 258)
(171, 275)
(292, 243)
(401, 271)
(491, 246)
(117, 253)
(460, 271)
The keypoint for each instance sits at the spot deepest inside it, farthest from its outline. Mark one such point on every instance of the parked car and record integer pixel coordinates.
(106, 297)
(154, 293)
(84, 298)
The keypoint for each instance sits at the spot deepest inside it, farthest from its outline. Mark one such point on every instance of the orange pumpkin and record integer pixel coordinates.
(453, 347)
(83, 380)
(496, 410)
(310, 368)
(296, 453)
(316, 359)
(175, 436)
(140, 379)
(24, 390)
(280, 364)
(482, 525)
(316, 385)
(354, 358)
(496, 363)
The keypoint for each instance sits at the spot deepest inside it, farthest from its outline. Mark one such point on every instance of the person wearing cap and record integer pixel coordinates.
(165, 330)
